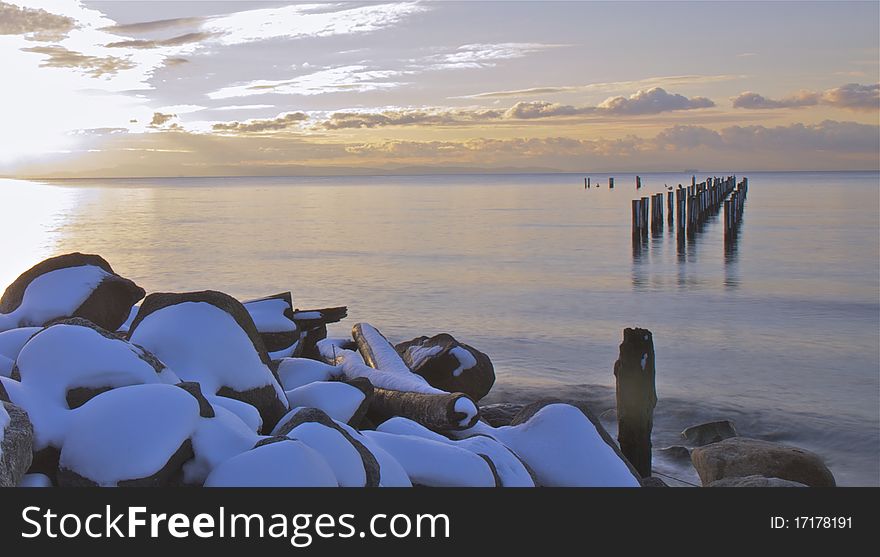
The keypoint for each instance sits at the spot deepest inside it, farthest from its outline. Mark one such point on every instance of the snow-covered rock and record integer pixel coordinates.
(70, 362)
(352, 463)
(71, 285)
(216, 440)
(273, 318)
(449, 364)
(13, 340)
(249, 415)
(281, 463)
(391, 473)
(35, 480)
(562, 448)
(435, 464)
(344, 402)
(509, 468)
(296, 372)
(16, 444)
(131, 436)
(208, 337)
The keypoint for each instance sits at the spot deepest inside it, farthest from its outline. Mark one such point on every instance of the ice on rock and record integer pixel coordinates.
(562, 448)
(129, 433)
(52, 295)
(433, 463)
(338, 400)
(216, 440)
(296, 372)
(286, 463)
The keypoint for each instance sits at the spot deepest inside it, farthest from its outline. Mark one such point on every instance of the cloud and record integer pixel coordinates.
(281, 122)
(354, 78)
(475, 56)
(543, 109)
(851, 96)
(175, 61)
(160, 119)
(407, 117)
(652, 101)
(37, 24)
(243, 107)
(173, 41)
(606, 87)
(95, 66)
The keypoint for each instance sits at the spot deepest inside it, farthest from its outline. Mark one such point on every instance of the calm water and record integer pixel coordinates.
(782, 335)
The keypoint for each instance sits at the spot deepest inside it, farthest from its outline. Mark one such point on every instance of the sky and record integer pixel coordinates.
(136, 88)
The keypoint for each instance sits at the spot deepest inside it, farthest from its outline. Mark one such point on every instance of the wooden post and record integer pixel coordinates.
(610, 183)
(635, 216)
(693, 181)
(669, 208)
(588, 182)
(638, 182)
(636, 397)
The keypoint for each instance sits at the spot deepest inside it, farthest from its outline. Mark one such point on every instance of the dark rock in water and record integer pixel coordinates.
(16, 446)
(742, 457)
(653, 481)
(755, 481)
(676, 452)
(108, 304)
(531, 409)
(449, 365)
(501, 414)
(710, 432)
(193, 388)
(276, 340)
(306, 415)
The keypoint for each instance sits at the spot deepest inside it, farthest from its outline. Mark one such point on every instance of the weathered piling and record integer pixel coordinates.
(669, 208)
(638, 182)
(657, 212)
(636, 397)
(610, 183)
(733, 210)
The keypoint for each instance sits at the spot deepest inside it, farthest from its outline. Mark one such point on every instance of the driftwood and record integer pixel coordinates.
(636, 397)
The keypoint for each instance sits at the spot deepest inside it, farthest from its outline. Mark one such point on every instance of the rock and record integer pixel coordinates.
(710, 432)
(742, 457)
(313, 324)
(449, 365)
(215, 440)
(16, 444)
(283, 463)
(71, 285)
(208, 337)
(299, 424)
(676, 452)
(137, 436)
(755, 481)
(342, 401)
(501, 414)
(273, 317)
(653, 481)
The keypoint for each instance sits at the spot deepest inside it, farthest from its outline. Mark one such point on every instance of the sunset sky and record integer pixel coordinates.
(272, 88)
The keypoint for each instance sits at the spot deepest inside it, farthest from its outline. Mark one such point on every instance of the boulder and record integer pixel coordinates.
(313, 324)
(742, 457)
(16, 444)
(710, 432)
(342, 401)
(71, 285)
(273, 318)
(208, 337)
(501, 414)
(653, 481)
(449, 365)
(278, 463)
(137, 436)
(755, 481)
(676, 453)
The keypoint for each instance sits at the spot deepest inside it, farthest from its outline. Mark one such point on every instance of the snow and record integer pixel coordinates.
(467, 407)
(11, 341)
(562, 448)
(248, 414)
(145, 423)
(284, 352)
(62, 357)
(35, 480)
(216, 440)
(6, 366)
(50, 419)
(296, 372)
(465, 359)
(391, 473)
(353, 366)
(386, 357)
(331, 349)
(418, 353)
(4, 421)
(281, 464)
(338, 400)
(307, 315)
(342, 457)
(129, 320)
(268, 315)
(433, 463)
(55, 294)
(203, 343)
(510, 469)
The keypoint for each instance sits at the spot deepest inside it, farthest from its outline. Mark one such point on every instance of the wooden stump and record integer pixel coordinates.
(636, 397)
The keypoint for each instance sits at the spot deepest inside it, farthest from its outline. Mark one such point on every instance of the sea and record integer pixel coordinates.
(777, 330)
